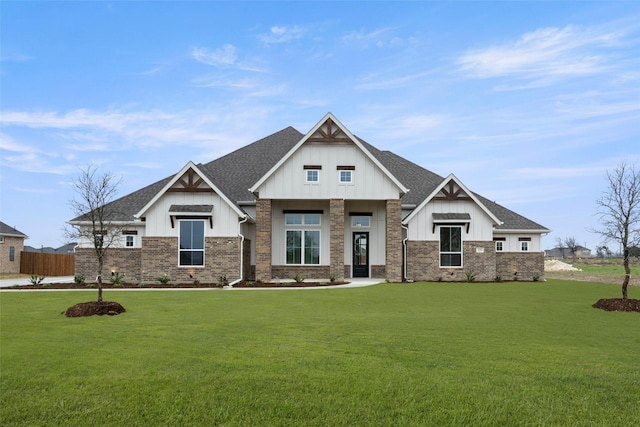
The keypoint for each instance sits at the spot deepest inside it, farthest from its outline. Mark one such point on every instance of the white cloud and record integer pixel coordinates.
(544, 53)
(221, 57)
(376, 38)
(282, 34)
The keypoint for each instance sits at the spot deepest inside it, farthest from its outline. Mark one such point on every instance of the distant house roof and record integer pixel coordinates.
(236, 172)
(6, 230)
(566, 252)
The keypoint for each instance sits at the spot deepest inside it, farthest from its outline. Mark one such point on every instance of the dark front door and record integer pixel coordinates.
(360, 254)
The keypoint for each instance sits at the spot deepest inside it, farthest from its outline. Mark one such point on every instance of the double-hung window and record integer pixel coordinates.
(191, 250)
(129, 241)
(303, 238)
(451, 246)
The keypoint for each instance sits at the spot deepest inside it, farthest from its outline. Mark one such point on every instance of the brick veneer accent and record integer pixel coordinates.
(336, 208)
(7, 266)
(529, 265)
(263, 240)
(124, 261)
(423, 263)
(393, 236)
(159, 256)
(288, 272)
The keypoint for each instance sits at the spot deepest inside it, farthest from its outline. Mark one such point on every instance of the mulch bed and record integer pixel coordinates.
(109, 286)
(93, 308)
(618, 304)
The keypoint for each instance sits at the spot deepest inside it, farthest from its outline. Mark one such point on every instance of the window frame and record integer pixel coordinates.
(128, 237)
(191, 249)
(345, 173)
(450, 252)
(308, 173)
(524, 246)
(305, 249)
(499, 245)
(357, 219)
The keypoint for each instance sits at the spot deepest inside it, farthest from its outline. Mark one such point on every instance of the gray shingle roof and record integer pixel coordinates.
(236, 172)
(7, 230)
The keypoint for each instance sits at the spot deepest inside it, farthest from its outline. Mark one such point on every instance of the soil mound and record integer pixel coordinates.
(94, 307)
(618, 304)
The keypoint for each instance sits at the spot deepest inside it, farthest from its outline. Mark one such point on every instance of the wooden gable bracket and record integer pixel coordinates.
(451, 192)
(329, 132)
(189, 183)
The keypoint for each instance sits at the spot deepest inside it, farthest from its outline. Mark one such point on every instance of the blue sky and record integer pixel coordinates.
(528, 103)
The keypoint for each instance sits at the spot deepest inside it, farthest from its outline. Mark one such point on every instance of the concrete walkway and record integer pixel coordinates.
(353, 283)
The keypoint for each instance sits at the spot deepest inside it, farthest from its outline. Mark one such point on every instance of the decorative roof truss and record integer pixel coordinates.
(451, 192)
(190, 182)
(329, 131)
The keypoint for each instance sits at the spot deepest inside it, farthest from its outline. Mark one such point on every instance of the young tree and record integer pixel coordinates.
(619, 212)
(97, 220)
(570, 243)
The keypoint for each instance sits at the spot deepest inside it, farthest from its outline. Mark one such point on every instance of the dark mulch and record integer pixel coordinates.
(618, 304)
(93, 308)
(109, 286)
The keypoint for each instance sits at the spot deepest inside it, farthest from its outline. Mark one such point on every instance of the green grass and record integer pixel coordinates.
(411, 354)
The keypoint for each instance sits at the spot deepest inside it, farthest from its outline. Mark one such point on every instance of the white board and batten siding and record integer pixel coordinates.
(158, 217)
(421, 225)
(369, 181)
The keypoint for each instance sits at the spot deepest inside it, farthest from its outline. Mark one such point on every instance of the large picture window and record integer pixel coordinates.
(303, 246)
(191, 251)
(450, 246)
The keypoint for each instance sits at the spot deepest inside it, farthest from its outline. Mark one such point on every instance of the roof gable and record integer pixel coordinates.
(7, 230)
(329, 130)
(189, 179)
(452, 189)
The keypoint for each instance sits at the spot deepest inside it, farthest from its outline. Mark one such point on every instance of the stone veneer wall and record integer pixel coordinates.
(124, 261)
(423, 262)
(528, 265)
(393, 253)
(263, 240)
(336, 212)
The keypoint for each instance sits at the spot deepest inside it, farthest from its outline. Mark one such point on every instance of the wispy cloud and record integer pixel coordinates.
(382, 37)
(543, 54)
(282, 34)
(221, 57)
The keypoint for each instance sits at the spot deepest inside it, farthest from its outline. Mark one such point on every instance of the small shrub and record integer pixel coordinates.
(78, 278)
(90, 285)
(36, 280)
(471, 275)
(222, 281)
(498, 279)
(117, 279)
(298, 278)
(250, 284)
(164, 279)
(332, 278)
(536, 278)
(196, 282)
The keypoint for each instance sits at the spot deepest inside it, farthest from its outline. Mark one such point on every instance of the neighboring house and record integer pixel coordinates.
(11, 244)
(321, 205)
(67, 249)
(561, 253)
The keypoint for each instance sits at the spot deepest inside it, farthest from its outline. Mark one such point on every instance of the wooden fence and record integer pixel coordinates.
(47, 265)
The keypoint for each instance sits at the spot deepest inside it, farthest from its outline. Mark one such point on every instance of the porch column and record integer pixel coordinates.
(393, 235)
(336, 212)
(263, 240)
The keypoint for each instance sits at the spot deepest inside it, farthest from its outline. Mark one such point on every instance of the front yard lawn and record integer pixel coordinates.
(392, 354)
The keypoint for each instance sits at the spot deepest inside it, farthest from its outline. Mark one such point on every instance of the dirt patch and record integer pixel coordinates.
(93, 308)
(618, 304)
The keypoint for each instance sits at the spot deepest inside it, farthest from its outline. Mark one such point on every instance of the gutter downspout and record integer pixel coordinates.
(245, 219)
(404, 252)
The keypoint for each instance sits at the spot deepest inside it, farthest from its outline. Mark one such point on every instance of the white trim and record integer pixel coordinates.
(444, 182)
(461, 247)
(176, 177)
(353, 139)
